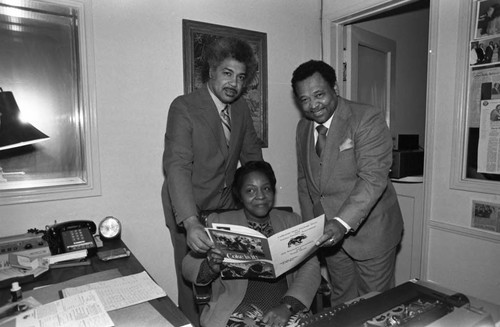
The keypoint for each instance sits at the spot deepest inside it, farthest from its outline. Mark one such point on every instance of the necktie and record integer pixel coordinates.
(226, 123)
(320, 143)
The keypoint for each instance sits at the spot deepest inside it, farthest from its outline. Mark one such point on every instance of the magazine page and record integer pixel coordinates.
(250, 254)
(291, 246)
(247, 253)
(238, 229)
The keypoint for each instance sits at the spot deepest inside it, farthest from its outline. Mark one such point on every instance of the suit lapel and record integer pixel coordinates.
(236, 123)
(213, 119)
(336, 135)
(307, 143)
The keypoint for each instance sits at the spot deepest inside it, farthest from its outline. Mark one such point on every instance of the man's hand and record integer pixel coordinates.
(334, 233)
(277, 316)
(196, 237)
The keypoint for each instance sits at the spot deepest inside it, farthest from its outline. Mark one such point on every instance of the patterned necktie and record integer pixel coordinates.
(226, 123)
(320, 143)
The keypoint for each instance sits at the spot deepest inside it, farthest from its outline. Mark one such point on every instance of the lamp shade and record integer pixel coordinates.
(13, 132)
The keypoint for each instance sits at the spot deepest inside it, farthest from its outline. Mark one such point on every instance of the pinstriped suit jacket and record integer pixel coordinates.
(198, 165)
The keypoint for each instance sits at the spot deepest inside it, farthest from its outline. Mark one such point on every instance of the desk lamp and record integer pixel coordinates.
(13, 132)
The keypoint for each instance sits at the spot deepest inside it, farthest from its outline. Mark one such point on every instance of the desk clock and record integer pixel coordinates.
(110, 228)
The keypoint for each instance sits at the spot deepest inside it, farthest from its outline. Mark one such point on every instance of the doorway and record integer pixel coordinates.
(408, 24)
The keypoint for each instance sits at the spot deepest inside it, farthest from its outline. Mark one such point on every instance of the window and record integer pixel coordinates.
(47, 63)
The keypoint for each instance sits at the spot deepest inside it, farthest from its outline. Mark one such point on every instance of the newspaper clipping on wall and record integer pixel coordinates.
(484, 112)
(488, 160)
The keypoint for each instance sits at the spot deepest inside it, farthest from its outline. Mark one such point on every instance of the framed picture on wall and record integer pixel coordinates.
(487, 23)
(197, 36)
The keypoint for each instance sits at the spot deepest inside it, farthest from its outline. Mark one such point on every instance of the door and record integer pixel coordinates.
(370, 78)
(370, 69)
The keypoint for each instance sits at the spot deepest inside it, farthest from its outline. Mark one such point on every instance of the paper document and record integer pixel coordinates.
(80, 254)
(488, 153)
(84, 309)
(123, 291)
(248, 253)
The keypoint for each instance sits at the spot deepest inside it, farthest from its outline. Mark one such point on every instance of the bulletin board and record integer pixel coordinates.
(476, 157)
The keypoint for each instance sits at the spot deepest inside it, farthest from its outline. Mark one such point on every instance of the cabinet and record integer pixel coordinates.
(409, 255)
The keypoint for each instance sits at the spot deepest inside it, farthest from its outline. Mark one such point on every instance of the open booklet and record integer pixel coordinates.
(250, 254)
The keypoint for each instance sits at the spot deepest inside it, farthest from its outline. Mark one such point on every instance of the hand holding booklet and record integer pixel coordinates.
(248, 253)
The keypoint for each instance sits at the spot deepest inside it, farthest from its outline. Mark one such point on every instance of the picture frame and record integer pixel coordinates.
(197, 35)
(478, 90)
(484, 14)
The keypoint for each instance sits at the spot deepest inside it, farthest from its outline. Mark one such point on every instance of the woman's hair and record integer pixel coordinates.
(250, 167)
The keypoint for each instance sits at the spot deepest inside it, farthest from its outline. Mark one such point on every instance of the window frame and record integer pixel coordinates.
(86, 181)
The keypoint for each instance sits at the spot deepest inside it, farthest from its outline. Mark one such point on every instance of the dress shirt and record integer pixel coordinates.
(219, 104)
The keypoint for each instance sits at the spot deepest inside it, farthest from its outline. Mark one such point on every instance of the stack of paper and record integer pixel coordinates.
(69, 259)
(84, 309)
(23, 261)
(29, 265)
(121, 292)
(75, 255)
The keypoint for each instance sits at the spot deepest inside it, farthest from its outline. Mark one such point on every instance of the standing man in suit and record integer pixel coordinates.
(343, 172)
(208, 132)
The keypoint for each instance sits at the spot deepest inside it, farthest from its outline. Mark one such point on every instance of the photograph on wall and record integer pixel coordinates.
(197, 36)
(486, 216)
(485, 52)
(488, 18)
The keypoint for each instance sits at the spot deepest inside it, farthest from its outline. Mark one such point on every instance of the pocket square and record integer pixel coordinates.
(348, 144)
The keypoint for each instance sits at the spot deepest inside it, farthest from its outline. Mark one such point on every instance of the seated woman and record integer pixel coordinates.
(254, 302)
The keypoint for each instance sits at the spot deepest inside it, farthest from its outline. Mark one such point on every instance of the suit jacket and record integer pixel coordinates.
(227, 294)
(352, 181)
(488, 53)
(198, 165)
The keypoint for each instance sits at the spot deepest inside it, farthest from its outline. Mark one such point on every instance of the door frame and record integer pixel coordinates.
(333, 44)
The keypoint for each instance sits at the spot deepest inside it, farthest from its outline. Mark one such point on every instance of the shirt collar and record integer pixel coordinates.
(326, 123)
(219, 104)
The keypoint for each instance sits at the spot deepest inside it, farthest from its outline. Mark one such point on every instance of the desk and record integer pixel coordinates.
(127, 266)
(413, 303)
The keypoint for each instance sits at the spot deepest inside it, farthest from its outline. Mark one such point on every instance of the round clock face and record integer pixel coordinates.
(110, 228)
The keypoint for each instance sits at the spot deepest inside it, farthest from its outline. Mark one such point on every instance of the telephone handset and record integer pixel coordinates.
(72, 236)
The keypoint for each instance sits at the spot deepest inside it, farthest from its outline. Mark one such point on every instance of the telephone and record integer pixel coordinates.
(72, 236)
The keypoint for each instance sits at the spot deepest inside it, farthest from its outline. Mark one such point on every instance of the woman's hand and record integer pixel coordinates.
(214, 258)
(277, 316)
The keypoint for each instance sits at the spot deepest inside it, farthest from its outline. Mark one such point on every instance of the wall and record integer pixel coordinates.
(458, 255)
(455, 255)
(138, 56)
